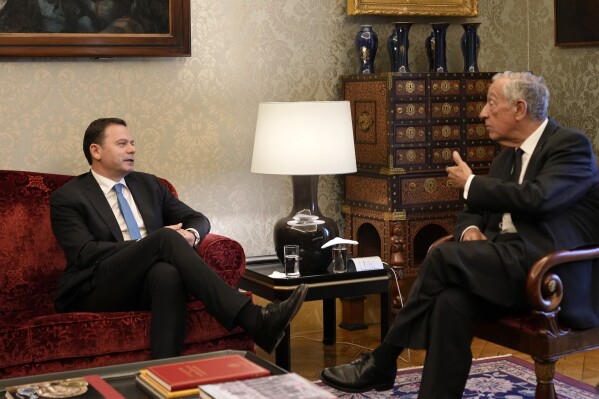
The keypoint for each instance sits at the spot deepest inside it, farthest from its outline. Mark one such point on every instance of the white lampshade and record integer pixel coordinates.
(304, 138)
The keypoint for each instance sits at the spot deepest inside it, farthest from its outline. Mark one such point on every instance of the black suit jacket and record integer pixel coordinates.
(555, 207)
(88, 231)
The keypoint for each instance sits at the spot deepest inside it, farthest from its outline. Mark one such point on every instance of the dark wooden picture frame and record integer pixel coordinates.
(175, 43)
(576, 22)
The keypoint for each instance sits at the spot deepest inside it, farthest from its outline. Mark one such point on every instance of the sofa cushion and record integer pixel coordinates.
(80, 334)
(15, 344)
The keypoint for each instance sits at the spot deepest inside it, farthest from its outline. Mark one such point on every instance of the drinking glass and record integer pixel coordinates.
(291, 253)
(339, 258)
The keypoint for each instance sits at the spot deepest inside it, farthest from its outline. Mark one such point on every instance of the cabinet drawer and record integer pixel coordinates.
(409, 88)
(410, 157)
(411, 110)
(477, 86)
(445, 109)
(483, 153)
(476, 131)
(473, 108)
(443, 155)
(445, 87)
(427, 190)
(409, 134)
(446, 132)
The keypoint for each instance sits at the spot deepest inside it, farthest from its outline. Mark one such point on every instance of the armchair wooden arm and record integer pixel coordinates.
(539, 333)
(441, 241)
(544, 289)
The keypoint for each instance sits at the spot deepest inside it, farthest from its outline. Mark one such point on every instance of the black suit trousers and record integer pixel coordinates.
(157, 273)
(457, 283)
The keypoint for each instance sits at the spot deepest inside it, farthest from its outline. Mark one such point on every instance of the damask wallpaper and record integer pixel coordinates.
(194, 118)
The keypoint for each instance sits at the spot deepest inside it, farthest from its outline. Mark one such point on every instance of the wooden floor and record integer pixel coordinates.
(309, 356)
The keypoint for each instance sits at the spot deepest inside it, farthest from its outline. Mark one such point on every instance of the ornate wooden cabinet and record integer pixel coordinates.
(406, 127)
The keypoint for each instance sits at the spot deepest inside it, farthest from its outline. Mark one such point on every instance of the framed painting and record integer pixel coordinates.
(449, 8)
(95, 28)
(576, 22)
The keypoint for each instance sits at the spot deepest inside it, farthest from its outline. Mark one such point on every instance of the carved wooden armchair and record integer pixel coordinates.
(539, 333)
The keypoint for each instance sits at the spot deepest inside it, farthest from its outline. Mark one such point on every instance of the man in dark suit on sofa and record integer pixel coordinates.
(129, 245)
(541, 195)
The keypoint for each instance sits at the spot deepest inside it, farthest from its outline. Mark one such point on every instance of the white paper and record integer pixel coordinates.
(274, 387)
(367, 263)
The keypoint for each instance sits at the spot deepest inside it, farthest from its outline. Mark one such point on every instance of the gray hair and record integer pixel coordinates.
(528, 87)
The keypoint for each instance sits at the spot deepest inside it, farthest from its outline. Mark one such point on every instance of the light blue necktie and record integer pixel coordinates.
(127, 214)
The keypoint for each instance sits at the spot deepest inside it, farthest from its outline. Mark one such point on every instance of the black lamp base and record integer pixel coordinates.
(313, 259)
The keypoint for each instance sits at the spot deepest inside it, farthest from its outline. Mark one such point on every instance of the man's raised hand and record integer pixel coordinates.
(460, 173)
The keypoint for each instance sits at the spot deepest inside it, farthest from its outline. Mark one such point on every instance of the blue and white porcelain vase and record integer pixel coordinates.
(470, 45)
(436, 48)
(366, 45)
(398, 45)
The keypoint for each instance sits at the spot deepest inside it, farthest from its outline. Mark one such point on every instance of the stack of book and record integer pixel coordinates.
(181, 380)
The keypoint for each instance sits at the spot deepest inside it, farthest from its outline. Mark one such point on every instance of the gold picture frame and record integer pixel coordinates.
(448, 8)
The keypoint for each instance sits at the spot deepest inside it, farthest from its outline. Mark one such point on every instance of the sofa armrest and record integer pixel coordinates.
(224, 255)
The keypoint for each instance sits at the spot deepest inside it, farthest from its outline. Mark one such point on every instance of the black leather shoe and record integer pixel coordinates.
(358, 376)
(276, 316)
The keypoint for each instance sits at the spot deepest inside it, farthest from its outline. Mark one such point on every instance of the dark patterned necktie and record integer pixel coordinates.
(517, 165)
(126, 212)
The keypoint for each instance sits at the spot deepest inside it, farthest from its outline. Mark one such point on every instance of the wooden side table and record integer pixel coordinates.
(325, 287)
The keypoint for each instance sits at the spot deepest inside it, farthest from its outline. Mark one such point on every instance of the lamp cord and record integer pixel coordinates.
(396, 284)
(365, 347)
(401, 302)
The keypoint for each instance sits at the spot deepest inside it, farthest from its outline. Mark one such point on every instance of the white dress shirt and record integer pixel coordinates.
(107, 187)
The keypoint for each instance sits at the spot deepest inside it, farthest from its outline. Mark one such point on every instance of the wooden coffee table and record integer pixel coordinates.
(325, 287)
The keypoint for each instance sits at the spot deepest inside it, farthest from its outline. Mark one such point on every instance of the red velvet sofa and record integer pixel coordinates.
(34, 339)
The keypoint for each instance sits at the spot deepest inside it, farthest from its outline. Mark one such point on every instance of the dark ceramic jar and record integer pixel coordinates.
(366, 45)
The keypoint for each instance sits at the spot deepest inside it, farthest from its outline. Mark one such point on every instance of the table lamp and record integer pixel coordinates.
(305, 140)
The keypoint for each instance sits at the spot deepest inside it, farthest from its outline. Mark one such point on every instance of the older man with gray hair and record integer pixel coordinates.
(541, 195)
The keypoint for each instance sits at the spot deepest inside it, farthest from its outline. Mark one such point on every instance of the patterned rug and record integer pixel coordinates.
(492, 378)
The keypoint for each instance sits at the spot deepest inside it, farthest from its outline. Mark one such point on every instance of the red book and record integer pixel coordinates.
(190, 374)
